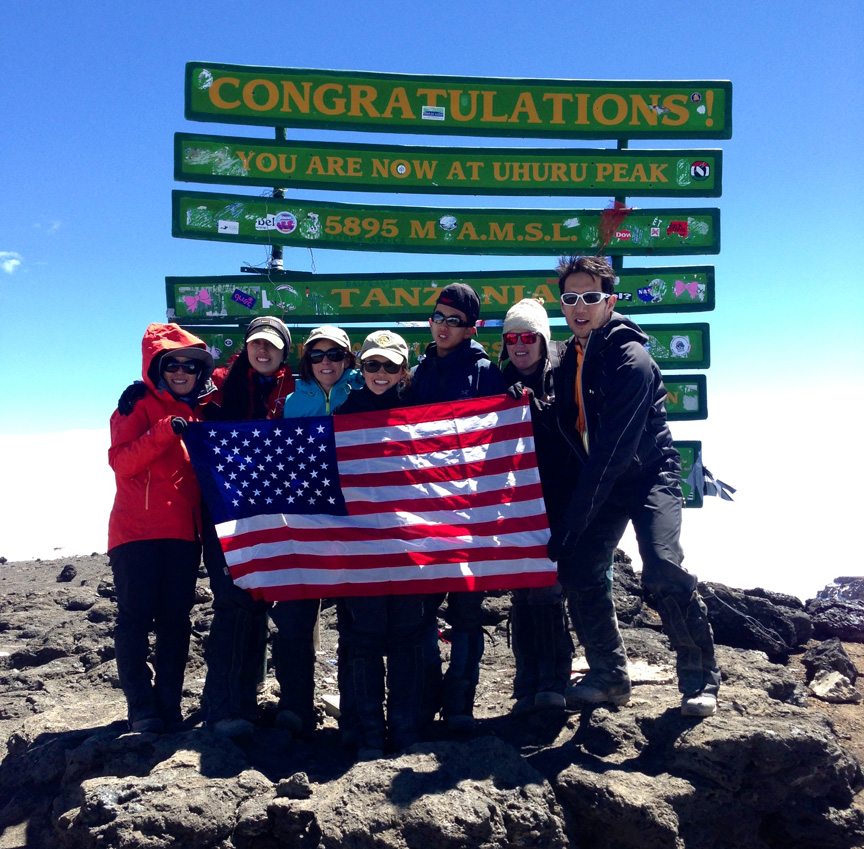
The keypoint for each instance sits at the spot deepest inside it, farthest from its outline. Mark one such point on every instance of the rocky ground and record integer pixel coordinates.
(778, 766)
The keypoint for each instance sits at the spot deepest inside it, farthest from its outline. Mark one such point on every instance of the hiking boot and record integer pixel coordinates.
(588, 692)
(233, 729)
(460, 723)
(523, 706)
(549, 700)
(289, 720)
(153, 725)
(699, 704)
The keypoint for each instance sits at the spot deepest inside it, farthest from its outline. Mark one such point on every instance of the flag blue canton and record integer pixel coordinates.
(260, 467)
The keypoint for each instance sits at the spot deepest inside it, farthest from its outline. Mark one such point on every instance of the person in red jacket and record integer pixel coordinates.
(154, 532)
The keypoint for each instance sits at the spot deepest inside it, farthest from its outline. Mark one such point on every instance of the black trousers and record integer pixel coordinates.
(653, 503)
(155, 585)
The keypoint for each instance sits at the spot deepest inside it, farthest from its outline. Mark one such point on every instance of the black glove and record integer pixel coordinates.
(130, 396)
(517, 389)
(561, 544)
(178, 425)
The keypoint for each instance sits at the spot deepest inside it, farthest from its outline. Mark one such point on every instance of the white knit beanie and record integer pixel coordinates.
(527, 315)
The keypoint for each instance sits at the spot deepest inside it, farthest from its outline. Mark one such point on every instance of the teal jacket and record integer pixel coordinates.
(309, 399)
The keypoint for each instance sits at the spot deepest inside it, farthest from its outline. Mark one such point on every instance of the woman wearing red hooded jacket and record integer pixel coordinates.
(154, 532)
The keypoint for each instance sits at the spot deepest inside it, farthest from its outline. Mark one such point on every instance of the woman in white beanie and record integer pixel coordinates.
(540, 638)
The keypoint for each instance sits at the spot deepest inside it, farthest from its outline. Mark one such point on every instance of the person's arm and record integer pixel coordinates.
(614, 437)
(136, 442)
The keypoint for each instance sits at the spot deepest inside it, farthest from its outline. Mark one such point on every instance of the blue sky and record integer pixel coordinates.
(92, 94)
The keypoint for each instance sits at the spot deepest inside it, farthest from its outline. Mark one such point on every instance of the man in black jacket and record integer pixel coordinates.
(610, 406)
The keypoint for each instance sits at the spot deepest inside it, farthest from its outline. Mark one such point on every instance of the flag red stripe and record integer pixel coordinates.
(527, 492)
(404, 532)
(439, 474)
(424, 586)
(470, 408)
(432, 444)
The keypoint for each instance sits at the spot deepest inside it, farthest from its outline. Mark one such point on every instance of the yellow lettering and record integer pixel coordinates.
(266, 162)
(677, 105)
(468, 231)
(215, 92)
(474, 167)
(335, 106)
(271, 94)
(639, 175)
(376, 297)
(621, 172)
(399, 100)
(533, 231)
(456, 172)
(458, 98)
(290, 93)
(315, 165)
(599, 109)
(501, 232)
(335, 166)
(525, 106)
(545, 291)
(431, 95)
(422, 230)
(489, 109)
(558, 98)
(345, 296)
(658, 174)
(559, 172)
(581, 108)
(604, 171)
(673, 397)
(643, 110)
(493, 295)
(245, 157)
(361, 98)
(406, 297)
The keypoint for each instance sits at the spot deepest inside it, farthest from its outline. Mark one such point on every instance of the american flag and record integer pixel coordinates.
(427, 499)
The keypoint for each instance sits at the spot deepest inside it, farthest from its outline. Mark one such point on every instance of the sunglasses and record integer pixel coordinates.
(172, 366)
(335, 355)
(524, 338)
(449, 320)
(570, 299)
(374, 366)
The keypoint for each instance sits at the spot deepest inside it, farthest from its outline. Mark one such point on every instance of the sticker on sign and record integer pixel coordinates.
(232, 228)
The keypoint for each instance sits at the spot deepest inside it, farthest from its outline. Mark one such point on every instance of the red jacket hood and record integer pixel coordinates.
(159, 338)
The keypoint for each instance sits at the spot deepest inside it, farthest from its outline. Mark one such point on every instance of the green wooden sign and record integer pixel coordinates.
(685, 346)
(362, 100)
(691, 471)
(487, 171)
(687, 397)
(343, 226)
(314, 299)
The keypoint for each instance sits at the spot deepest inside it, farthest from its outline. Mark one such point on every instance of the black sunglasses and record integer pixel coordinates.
(449, 320)
(373, 366)
(335, 355)
(172, 366)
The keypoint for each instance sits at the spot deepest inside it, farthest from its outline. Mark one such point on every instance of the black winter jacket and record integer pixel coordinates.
(625, 415)
(466, 372)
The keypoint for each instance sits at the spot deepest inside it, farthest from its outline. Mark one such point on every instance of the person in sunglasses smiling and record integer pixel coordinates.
(610, 408)
(327, 378)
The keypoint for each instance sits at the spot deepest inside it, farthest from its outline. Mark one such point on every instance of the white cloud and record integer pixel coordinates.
(50, 228)
(10, 261)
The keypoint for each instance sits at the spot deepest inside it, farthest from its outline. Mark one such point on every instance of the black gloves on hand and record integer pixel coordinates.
(178, 425)
(517, 389)
(561, 544)
(130, 396)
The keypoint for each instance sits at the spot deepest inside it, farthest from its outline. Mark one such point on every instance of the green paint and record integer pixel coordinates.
(296, 97)
(305, 298)
(342, 226)
(391, 168)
